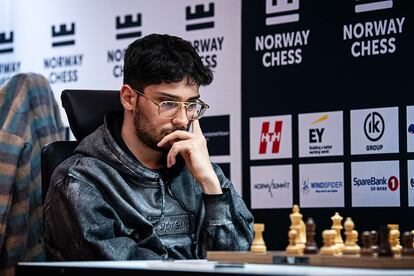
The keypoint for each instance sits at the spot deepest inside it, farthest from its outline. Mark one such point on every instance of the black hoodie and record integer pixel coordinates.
(103, 204)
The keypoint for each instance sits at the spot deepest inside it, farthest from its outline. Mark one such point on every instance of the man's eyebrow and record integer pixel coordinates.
(174, 97)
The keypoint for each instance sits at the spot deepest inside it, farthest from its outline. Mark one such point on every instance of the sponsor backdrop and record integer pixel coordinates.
(328, 107)
(311, 99)
(81, 44)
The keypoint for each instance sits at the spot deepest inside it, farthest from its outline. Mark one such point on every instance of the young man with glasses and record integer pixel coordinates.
(142, 186)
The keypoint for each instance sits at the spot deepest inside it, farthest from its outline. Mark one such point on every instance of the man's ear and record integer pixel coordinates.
(128, 97)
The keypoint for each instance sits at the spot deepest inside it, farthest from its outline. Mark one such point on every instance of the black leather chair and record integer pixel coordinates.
(85, 110)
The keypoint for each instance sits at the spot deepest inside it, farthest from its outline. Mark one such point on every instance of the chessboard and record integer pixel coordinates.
(371, 252)
(280, 257)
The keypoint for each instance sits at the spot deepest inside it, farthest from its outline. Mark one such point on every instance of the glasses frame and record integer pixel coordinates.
(204, 105)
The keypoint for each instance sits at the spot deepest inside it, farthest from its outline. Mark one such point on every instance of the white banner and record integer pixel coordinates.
(271, 137)
(375, 184)
(410, 128)
(374, 131)
(321, 134)
(80, 44)
(410, 183)
(321, 185)
(271, 187)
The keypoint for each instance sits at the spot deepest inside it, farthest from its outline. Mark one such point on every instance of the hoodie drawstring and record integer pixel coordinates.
(159, 180)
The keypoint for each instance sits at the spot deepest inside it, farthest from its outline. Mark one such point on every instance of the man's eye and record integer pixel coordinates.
(169, 104)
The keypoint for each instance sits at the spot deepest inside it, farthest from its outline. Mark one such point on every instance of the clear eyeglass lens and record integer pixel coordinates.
(169, 109)
(193, 111)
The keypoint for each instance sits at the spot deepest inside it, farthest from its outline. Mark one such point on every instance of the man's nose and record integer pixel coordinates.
(181, 118)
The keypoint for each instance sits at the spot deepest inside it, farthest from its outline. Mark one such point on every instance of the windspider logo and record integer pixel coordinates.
(305, 188)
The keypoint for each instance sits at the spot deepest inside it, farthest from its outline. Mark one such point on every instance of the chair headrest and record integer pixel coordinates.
(86, 109)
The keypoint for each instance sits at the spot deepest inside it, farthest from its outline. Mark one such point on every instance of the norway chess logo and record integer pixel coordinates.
(201, 18)
(281, 11)
(280, 49)
(376, 37)
(372, 5)
(6, 43)
(63, 35)
(270, 140)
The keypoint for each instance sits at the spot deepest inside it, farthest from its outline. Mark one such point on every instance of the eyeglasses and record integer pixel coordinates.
(170, 109)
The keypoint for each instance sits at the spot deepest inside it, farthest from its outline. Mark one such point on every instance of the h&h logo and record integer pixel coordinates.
(193, 18)
(67, 35)
(271, 138)
(374, 126)
(8, 43)
(128, 23)
(267, 141)
(281, 11)
(372, 5)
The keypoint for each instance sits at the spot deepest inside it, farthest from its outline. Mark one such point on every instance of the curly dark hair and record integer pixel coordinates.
(158, 58)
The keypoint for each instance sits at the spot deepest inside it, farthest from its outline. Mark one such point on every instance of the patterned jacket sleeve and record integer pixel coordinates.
(228, 224)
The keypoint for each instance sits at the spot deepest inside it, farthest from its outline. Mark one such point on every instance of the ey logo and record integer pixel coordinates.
(315, 134)
(270, 138)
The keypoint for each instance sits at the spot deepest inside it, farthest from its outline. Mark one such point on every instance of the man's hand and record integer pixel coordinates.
(193, 148)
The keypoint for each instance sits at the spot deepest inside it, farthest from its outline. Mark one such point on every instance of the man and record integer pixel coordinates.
(142, 185)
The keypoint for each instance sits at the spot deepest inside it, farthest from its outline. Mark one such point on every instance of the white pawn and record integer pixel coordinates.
(293, 248)
(298, 225)
(328, 248)
(351, 247)
(258, 244)
(336, 225)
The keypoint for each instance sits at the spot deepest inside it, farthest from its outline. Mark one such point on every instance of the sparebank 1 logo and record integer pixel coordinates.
(200, 18)
(9, 68)
(278, 49)
(378, 184)
(376, 37)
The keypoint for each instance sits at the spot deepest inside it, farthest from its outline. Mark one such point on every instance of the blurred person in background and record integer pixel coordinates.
(29, 119)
